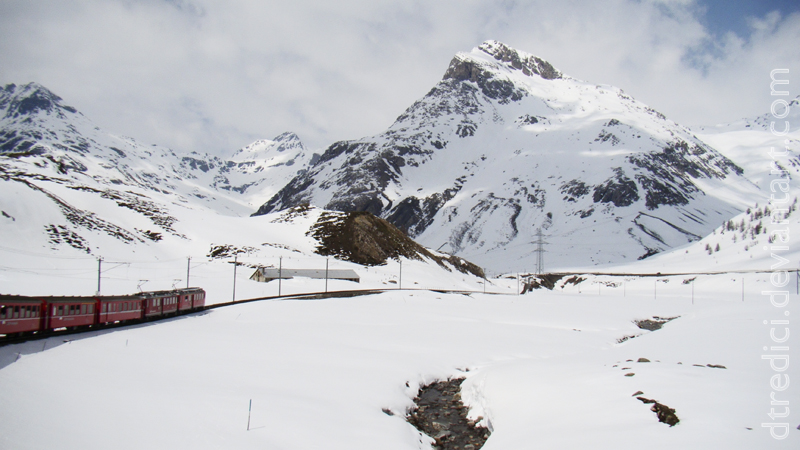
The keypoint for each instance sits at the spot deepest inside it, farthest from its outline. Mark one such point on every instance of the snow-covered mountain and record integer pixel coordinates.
(41, 135)
(506, 144)
(71, 194)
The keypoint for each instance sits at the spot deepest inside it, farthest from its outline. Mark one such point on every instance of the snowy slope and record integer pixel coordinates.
(762, 237)
(40, 135)
(506, 144)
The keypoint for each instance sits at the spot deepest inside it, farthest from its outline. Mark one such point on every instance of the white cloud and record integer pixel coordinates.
(213, 75)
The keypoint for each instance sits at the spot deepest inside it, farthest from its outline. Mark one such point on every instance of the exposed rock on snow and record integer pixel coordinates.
(362, 238)
(664, 413)
(653, 324)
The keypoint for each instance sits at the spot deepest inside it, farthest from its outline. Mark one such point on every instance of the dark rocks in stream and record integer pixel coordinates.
(441, 415)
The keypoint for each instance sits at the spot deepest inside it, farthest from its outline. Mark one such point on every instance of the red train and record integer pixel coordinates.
(28, 315)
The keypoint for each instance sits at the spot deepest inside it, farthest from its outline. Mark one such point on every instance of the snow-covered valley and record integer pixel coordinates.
(503, 145)
(545, 369)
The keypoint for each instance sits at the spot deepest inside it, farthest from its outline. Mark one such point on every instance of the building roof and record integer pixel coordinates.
(269, 274)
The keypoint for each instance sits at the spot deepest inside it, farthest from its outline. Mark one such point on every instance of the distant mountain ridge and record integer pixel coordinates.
(37, 128)
(506, 144)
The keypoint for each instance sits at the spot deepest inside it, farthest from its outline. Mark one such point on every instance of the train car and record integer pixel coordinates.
(169, 302)
(21, 314)
(191, 298)
(160, 303)
(184, 300)
(69, 312)
(120, 308)
(198, 298)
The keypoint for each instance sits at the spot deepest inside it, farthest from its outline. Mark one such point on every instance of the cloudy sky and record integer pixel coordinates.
(215, 75)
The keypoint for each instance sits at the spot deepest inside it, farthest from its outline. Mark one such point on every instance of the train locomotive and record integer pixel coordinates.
(22, 315)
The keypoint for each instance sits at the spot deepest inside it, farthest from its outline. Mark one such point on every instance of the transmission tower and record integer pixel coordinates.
(540, 242)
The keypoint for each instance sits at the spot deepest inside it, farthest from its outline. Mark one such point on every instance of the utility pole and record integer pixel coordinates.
(280, 274)
(400, 281)
(99, 272)
(540, 242)
(188, 266)
(326, 274)
(235, 263)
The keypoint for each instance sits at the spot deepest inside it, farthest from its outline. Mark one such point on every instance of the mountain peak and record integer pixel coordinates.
(489, 67)
(30, 99)
(519, 60)
(263, 149)
(497, 70)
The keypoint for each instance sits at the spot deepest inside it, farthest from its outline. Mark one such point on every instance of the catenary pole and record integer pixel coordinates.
(188, 266)
(400, 281)
(235, 263)
(99, 272)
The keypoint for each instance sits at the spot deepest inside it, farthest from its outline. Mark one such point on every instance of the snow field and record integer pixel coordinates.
(540, 369)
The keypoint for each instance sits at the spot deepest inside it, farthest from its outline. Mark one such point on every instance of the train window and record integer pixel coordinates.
(103, 308)
(83, 309)
(16, 312)
(2, 312)
(90, 309)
